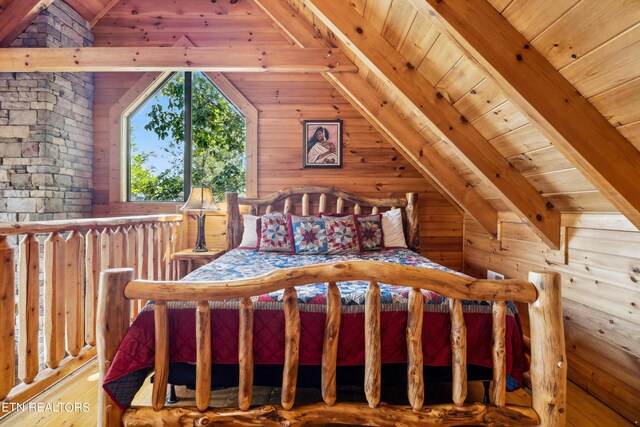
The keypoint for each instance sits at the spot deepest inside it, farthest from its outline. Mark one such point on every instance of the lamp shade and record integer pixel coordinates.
(200, 199)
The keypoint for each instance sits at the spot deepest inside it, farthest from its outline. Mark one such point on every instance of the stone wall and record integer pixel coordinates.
(46, 127)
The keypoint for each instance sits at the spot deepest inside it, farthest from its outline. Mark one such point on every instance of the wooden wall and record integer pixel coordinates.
(600, 268)
(371, 166)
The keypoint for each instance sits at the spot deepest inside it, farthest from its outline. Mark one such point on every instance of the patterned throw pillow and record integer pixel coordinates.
(274, 233)
(370, 232)
(342, 235)
(309, 234)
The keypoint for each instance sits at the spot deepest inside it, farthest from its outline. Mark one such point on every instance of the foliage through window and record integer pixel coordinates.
(159, 127)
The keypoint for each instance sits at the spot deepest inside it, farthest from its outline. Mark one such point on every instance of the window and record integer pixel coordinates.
(184, 132)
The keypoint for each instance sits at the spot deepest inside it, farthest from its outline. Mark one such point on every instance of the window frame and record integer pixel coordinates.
(147, 86)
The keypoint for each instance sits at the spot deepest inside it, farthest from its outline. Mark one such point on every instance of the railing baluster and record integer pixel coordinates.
(7, 317)
(105, 249)
(499, 353)
(161, 317)
(117, 251)
(162, 249)
(175, 229)
(287, 205)
(339, 205)
(291, 347)
(330, 344)
(415, 377)
(203, 355)
(322, 203)
(357, 209)
(92, 272)
(74, 295)
(54, 310)
(130, 243)
(372, 356)
(166, 256)
(29, 308)
(152, 251)
(305, 204)
(245, 354)
(458, 351)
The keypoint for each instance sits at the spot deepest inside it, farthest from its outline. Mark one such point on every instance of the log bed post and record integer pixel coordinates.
(412, 229)
(234, 221)
(548, 358)
(112, 324)
(7, 317)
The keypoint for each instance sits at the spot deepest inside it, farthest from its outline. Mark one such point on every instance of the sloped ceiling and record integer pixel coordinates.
(605, 70)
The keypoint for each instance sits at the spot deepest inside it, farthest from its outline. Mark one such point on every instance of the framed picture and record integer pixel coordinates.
(322, 143)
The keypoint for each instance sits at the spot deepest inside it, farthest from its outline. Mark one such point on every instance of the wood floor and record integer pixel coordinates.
(583, 410)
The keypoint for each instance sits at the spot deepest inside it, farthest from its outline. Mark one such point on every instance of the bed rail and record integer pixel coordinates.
(548, 362)
(62, 260)
(315, 198)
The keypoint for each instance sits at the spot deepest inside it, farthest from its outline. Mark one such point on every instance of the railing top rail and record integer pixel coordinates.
(41, 227)
(442, 282)
(316, 189)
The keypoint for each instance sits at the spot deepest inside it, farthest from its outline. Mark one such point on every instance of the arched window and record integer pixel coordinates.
(185, 132)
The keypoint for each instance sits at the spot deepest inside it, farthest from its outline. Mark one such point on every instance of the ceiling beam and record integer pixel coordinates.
(103, 12)
(391, 125)
(574, 126)
(17, 17)
(483, 159)
(225, 59)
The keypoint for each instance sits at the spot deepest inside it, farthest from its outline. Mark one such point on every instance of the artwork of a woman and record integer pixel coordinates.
(322, 145)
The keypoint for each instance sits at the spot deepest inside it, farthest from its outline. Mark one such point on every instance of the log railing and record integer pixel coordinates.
(548, 369)
(74, 253)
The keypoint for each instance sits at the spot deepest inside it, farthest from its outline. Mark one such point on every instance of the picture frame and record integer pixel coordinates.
(322, 144)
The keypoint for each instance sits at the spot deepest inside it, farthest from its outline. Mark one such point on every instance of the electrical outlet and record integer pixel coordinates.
(492, 275)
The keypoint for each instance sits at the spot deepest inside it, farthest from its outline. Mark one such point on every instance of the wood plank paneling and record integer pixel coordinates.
(600, 272)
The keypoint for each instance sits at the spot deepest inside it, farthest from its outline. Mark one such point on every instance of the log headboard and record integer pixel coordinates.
(321, 199)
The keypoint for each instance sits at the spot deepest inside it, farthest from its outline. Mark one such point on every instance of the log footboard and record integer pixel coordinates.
(548, 364)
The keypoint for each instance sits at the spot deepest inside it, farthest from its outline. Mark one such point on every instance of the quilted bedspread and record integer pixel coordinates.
(135, 356)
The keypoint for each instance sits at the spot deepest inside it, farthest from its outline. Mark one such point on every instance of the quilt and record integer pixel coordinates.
(135, 356)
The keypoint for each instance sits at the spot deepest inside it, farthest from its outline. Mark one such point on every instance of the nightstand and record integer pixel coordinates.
(189, 260)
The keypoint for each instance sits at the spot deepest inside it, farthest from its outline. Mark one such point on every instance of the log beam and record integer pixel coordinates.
(483, 159)
(550, 101)
(220, 59)
(17, 17)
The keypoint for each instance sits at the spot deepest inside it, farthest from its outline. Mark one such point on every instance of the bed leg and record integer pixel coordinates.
(548, 358)
(486, 398)
(111, 325)
(172, 396)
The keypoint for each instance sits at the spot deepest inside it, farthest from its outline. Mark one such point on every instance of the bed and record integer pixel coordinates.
(319, 319)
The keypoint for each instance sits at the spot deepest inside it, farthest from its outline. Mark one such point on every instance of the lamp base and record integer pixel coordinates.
(201, 245)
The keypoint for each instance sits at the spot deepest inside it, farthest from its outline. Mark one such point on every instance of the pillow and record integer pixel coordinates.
(342, 235)
(370, 233)
(308, 234)
(250, 234)
(274, 233)
(392, 229)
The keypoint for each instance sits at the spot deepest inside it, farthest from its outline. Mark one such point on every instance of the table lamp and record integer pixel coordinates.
(200, 200)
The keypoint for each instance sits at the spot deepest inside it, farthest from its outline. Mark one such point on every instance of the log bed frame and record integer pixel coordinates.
(542, 293)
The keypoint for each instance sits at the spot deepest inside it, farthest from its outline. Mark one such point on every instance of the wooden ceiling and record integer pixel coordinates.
(594, 44)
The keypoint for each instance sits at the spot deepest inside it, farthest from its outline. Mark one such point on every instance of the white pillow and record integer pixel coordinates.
(250, 234)
(392, 231)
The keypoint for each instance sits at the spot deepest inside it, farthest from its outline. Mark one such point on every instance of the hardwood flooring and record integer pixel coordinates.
(583, 410)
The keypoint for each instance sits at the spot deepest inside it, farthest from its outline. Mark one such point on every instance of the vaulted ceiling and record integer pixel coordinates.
(485, 122)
